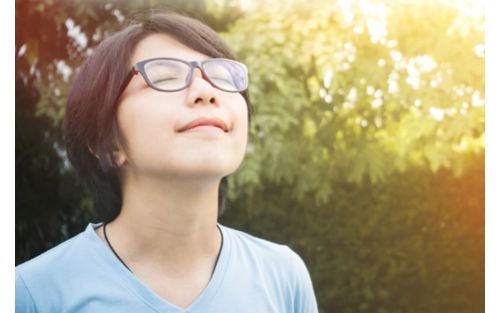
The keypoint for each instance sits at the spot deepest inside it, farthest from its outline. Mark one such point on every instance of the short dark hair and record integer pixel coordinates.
(90, 124)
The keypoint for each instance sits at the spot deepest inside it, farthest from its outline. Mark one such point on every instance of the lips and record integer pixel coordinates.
(214, 122)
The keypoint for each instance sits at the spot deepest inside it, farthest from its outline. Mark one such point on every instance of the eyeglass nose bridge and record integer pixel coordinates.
(192, 66)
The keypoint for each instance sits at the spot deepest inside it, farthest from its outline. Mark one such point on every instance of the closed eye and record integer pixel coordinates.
(222, 80)
(166, 79)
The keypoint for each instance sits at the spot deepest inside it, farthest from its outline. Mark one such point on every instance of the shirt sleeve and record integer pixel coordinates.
(24, 301)
(304, 300)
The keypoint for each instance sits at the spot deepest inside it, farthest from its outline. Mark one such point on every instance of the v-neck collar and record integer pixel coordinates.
(146, 294)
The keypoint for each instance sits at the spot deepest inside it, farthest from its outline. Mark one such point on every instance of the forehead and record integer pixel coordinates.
(163, 45)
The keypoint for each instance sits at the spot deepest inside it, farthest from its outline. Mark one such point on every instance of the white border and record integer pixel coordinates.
(7, 161)
(492, 172)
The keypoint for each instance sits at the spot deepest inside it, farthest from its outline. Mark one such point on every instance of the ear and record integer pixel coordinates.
(119, 157)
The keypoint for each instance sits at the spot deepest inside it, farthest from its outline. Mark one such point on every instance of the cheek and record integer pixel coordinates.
(144, 123)
(240, 118)
(239, 110)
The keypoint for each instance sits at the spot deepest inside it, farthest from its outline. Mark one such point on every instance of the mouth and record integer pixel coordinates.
(205, 122)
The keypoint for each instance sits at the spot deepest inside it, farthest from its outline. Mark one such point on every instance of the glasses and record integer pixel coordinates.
(169, 74)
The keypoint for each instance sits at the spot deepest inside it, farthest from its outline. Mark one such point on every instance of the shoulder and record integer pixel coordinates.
(259, 247)
(47, 275)
(53, 259)
(273, 267)
(266, 255)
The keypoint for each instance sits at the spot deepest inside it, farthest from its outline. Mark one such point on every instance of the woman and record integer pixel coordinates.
(156, 119)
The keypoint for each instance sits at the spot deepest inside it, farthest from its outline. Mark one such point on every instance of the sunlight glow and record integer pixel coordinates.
(245, 4)
(75, 32)
(64, 69)
(22, 50)
(437, 113)
(477, 101)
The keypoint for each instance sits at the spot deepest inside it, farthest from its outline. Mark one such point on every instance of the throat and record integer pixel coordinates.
(105, 235)
(179, 282)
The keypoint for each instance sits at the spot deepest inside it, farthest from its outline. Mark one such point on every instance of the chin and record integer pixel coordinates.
(215, 171)
(205, 168)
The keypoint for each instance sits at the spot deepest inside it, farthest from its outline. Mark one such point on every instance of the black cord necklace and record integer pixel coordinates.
(118, 257)
(114, 252)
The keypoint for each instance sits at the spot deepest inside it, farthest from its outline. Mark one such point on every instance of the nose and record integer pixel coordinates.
(201, 91)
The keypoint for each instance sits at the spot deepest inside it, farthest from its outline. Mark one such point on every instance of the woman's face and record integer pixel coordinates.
(155, 124)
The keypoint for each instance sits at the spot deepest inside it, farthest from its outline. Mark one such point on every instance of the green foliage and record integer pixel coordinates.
(50, 200)
(357, 91)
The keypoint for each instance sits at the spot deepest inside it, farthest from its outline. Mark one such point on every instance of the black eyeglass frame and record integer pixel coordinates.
(139, 67)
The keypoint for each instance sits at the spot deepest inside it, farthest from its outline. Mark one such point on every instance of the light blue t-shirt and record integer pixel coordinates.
(83, 275)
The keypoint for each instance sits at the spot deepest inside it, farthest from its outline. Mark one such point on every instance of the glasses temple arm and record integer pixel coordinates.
(126, 81)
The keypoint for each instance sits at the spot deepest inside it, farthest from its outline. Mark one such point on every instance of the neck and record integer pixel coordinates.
(167, 225)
